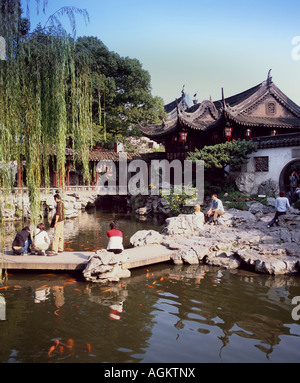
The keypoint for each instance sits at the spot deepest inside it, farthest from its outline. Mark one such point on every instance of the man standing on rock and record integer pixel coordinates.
(58, 240)
(216, 209)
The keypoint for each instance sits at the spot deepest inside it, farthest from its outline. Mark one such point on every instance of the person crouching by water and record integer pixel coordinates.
(115, 238)
(41, 239)
(216, 209)
(22, 242)
(282, 204)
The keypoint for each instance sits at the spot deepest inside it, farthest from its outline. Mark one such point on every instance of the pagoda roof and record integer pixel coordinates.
(241, 108)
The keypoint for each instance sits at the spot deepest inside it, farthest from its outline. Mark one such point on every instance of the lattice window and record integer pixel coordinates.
(270, 108)
(261, 164)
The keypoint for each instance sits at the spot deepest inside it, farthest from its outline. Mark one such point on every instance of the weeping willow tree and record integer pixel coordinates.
(45, 102)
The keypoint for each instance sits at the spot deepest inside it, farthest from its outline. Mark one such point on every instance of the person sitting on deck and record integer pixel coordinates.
(22, 241)
(115, 243)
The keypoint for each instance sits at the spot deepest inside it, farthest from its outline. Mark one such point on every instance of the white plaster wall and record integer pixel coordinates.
(278, 159)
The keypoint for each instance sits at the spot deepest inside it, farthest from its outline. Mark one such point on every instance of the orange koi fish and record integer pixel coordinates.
(88, 347)
(69, 249)
(70, 343)
(105, 291)
(56, 342)
(78, 290)
(4, 287)
(61, 349)
(152, 287)
(51, 350)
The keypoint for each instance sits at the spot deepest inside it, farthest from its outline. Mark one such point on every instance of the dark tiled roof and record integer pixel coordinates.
(282, 140)
(242, 108)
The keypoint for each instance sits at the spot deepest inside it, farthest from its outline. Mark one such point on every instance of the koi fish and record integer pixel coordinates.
(56, 342)
(4, 287)
(69, 249)
(152, 287)
(88, 347)
(51, 349)
(61, 349)
(70, 343)
(78, 290)
(105, 291)
(154, 283)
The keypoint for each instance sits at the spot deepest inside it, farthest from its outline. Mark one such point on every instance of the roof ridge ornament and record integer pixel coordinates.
(269, 78)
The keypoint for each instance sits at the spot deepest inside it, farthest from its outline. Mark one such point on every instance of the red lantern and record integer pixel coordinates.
(248, 133)
(228, 131)
(182, 137)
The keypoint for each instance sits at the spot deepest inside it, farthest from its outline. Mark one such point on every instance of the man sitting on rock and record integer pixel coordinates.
(216, 209)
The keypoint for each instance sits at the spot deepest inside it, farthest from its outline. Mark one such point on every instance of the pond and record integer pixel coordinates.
(162, 314)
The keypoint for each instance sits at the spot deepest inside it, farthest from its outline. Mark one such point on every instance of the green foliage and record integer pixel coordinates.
(121, 89)
(177, 199)
(45, 100)
(232, 154)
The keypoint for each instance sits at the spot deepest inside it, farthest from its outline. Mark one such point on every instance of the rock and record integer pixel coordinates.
(268, 187)
(240, 217)
(183, 224)
(223, 261)
(105, 266)
(256, 207)
(142, 211)
(189, 256)
(245, 182)
(146, 237)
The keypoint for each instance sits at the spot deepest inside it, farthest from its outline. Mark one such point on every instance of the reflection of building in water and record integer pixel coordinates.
(2, 308)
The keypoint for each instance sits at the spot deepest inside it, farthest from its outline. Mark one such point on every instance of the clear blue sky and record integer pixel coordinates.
(204, 45)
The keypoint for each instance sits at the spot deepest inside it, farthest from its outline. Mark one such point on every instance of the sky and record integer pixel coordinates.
(202, 45)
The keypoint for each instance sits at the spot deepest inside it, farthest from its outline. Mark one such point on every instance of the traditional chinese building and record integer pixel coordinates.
(263, 110)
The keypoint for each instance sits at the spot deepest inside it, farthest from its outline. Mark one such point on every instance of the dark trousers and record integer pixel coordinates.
(275, 219)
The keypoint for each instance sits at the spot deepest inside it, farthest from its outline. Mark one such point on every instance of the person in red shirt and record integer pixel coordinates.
(115, 238)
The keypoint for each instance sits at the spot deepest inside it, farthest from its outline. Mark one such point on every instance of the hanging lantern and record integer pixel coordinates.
(228, 131)
(274, 132)
(182, 137)
(248, 133)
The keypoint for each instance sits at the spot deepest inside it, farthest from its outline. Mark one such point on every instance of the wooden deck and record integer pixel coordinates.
(138, 257)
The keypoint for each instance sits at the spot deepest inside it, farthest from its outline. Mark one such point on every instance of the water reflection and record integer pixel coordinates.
(163, 313)
(88, 231)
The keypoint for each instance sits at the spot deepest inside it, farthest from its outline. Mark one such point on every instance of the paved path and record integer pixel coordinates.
(76, 260)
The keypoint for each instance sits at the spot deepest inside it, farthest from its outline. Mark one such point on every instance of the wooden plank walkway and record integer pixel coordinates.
(76, 260)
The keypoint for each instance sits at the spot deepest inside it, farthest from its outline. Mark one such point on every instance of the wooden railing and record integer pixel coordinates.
(52, 191)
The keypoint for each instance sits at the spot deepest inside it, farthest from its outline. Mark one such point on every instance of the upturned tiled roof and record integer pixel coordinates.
(237, 108)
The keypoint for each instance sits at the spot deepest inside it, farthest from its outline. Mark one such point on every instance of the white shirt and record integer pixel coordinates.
(41, 237)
